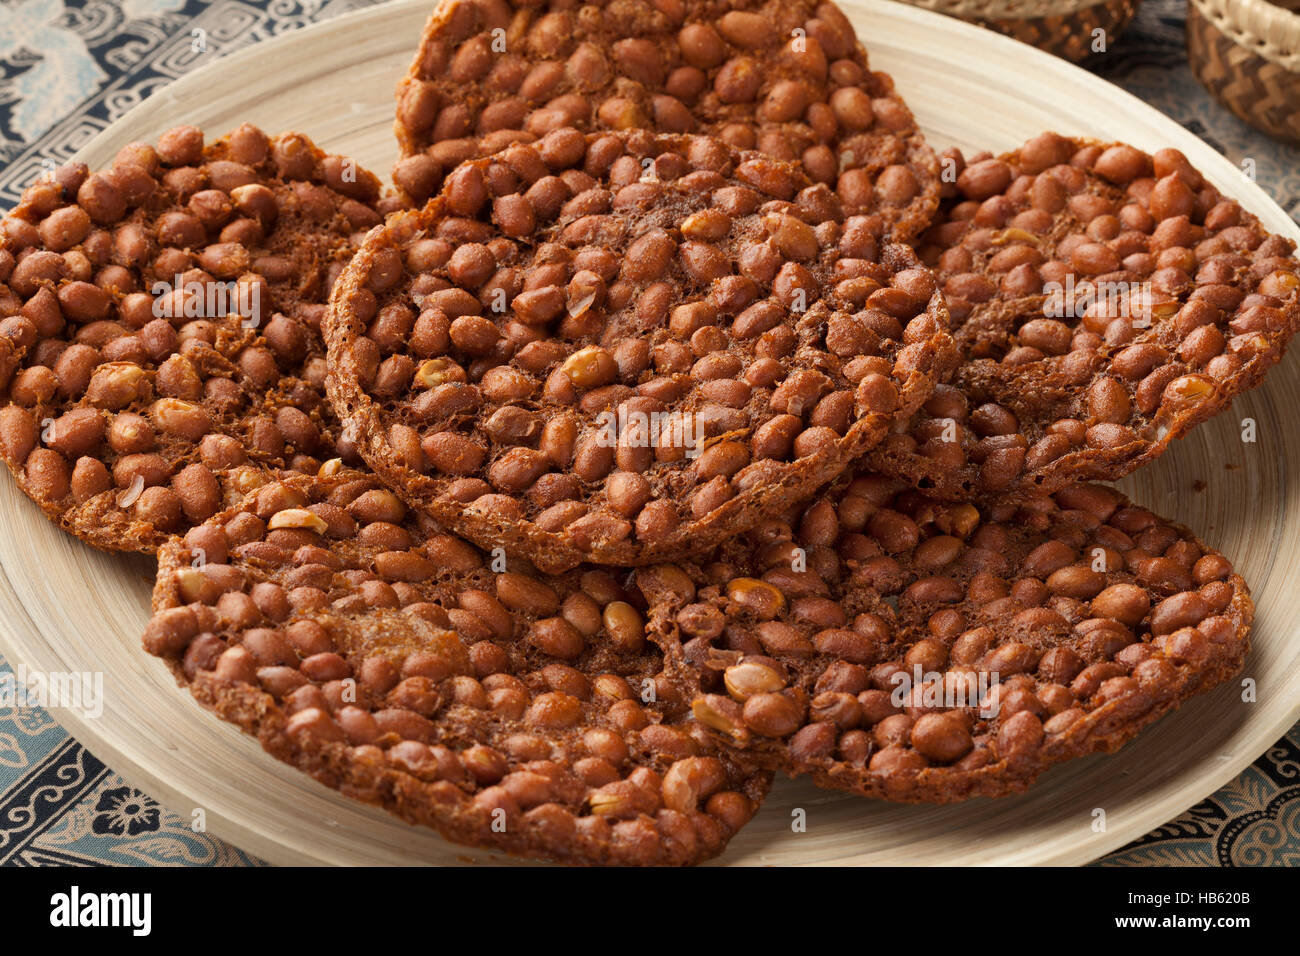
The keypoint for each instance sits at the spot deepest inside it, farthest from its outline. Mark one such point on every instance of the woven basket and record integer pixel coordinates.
(1063, 27)
(1247, 53)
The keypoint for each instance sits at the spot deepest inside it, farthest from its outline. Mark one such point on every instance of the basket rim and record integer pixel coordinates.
(1263, 28)
(1016, 9)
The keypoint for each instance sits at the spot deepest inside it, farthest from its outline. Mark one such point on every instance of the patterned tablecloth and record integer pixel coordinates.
(69, 69)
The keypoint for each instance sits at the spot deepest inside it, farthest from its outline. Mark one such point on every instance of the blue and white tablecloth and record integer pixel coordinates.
(69, 69)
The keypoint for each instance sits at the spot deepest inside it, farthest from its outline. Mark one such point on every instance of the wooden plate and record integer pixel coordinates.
(65, 607)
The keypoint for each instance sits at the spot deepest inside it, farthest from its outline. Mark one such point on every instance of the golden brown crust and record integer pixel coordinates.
(505, 709)
(137, 406)
(786, 320)
(1106, 301)
(787, 78)
(934, 652)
